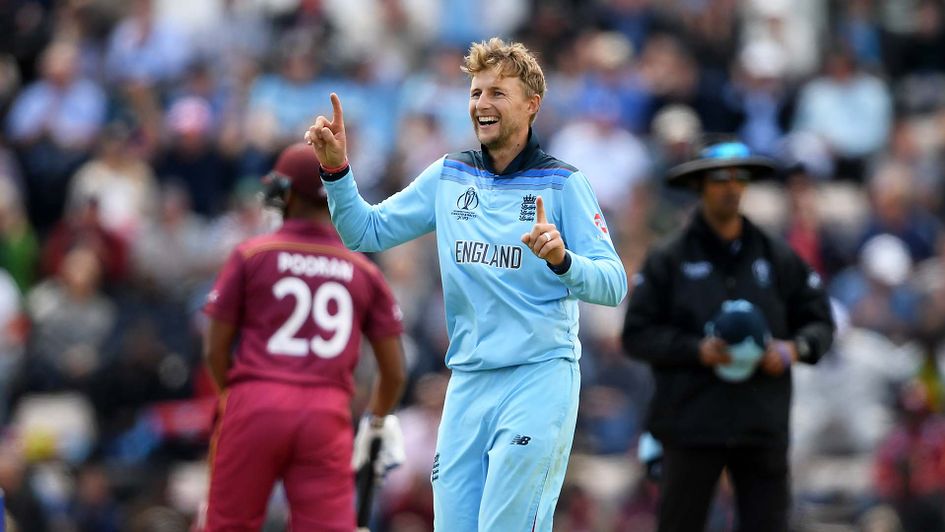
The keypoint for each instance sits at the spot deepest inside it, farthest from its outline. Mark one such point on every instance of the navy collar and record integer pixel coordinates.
(520, 162)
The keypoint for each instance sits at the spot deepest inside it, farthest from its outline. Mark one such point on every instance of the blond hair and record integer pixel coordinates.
(511, 59)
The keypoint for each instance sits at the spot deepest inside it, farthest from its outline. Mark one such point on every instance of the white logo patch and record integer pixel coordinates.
(697, 270)
(762, 270)
(814, 281)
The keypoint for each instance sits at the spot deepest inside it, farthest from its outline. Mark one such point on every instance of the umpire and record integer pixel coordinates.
(706, 419)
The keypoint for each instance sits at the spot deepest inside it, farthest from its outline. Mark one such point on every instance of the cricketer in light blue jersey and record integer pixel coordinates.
(511, 299)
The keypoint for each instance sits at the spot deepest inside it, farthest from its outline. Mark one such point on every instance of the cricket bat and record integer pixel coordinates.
(366, 483)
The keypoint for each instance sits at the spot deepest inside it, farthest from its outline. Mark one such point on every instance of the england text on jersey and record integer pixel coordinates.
(495, 255)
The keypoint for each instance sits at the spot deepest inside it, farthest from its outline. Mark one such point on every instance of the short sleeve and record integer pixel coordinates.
(384, 317)
(225, 300)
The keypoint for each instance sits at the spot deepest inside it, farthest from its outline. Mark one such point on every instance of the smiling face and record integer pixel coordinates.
(500, 109)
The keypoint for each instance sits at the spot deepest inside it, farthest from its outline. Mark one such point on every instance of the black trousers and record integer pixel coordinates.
(759, 477)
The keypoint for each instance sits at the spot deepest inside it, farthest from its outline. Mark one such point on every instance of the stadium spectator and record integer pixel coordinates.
(614, 160)
(19, 245)
(287, 96)
(82, 227)
(12, 336)
(896, 210)
(192, 157)
(439, 89)
(761, 95)
(122, 182)
(53, 123)
(849, 108)
(171, 256)
(910, 463)
(70, 321)
(145, 50)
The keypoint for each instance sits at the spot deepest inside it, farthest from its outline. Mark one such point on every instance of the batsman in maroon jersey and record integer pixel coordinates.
(286, 317)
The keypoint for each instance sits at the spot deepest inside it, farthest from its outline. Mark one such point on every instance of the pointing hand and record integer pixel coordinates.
(544, 239)
(327, 137)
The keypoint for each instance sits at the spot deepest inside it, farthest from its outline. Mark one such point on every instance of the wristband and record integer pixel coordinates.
(562, 268)
(803, 348)
(334, 169)
(334, 173)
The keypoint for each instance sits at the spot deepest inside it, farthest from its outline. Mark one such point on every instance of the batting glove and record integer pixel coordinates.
(391, 453)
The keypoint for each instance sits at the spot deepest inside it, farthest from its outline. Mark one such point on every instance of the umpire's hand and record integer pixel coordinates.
(778, 357)
(713, 351)
(545, 240)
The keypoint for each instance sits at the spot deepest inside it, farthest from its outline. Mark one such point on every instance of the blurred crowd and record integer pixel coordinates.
(133, 135)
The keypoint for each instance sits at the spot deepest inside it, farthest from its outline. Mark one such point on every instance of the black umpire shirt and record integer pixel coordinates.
(681, 287)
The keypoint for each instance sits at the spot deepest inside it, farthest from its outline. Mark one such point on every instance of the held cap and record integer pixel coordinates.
(742, 326)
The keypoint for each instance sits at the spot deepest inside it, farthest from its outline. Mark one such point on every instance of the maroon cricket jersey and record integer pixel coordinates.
(300, 301)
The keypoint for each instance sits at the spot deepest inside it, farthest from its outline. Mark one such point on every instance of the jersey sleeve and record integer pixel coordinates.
(384, 317)
(809, 315)
(596, 274)
(225, 300)
(404, 216)
(649, 333)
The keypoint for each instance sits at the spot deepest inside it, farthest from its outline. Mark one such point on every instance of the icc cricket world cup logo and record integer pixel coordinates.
(468, 200)
(466, 204)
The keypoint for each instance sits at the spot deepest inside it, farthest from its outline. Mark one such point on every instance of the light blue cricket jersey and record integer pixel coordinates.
(504, 306)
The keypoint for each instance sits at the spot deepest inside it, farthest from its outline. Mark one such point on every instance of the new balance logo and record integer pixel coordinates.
(521, 440)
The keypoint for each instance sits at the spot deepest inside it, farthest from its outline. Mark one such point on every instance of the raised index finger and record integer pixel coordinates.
(540, 211)
(337, 117)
